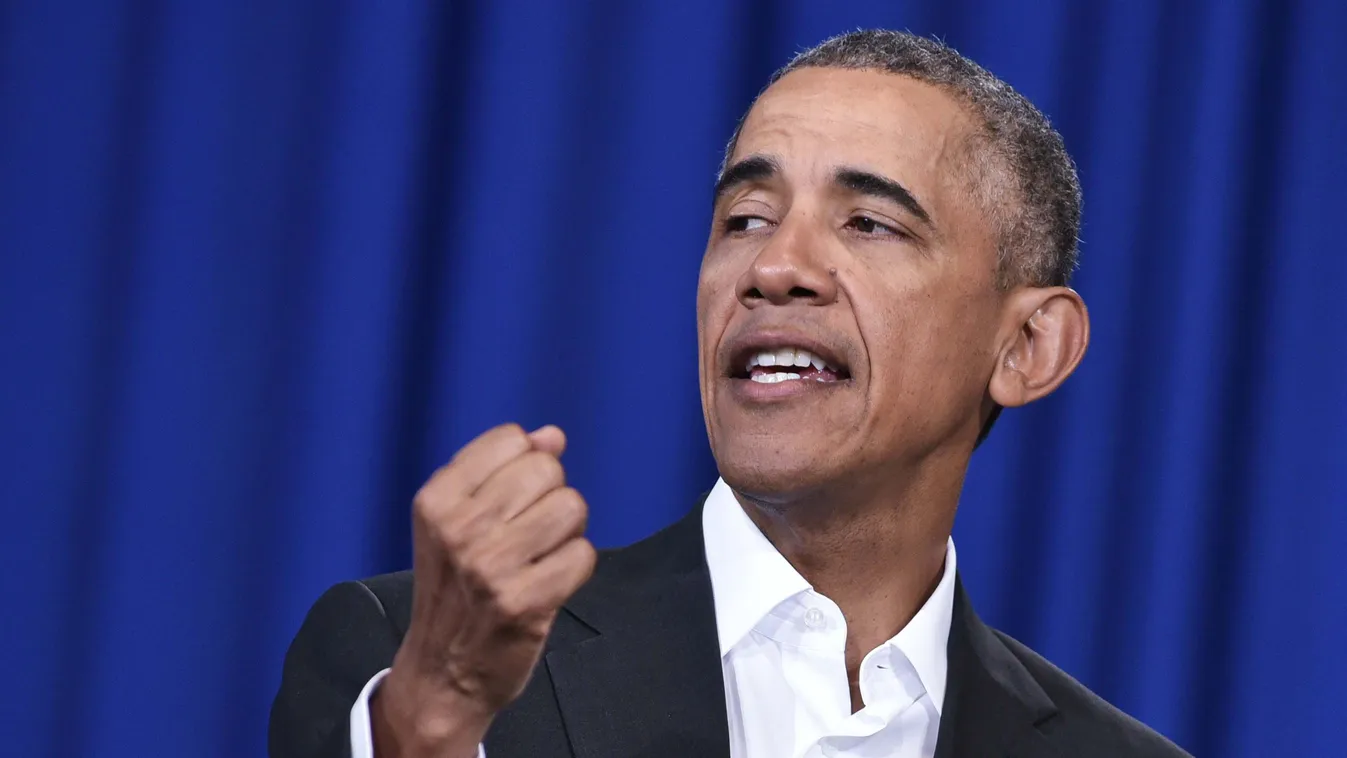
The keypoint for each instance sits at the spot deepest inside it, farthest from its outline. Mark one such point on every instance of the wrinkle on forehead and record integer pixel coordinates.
(862, 102)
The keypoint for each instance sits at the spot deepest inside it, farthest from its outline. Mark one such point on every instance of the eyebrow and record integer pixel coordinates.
(754, 168)
(874, 185)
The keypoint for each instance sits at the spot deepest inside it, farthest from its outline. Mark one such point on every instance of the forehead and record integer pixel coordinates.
(815, 119)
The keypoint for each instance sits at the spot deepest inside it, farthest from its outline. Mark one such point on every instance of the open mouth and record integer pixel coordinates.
(787, 364)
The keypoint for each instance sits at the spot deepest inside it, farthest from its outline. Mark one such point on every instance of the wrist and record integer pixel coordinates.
(410, 718)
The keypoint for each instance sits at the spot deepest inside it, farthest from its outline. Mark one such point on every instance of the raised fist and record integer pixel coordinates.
(498, 548)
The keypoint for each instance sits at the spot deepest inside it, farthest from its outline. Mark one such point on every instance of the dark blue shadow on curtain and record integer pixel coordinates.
(264, 266)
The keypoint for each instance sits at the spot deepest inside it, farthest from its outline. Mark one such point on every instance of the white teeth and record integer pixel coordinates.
(788, 356)
(773, 378)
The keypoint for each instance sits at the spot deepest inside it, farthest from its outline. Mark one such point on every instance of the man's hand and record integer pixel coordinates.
(498, 547)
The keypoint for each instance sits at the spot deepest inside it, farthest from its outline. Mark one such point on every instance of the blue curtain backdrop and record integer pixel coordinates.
(264, 265)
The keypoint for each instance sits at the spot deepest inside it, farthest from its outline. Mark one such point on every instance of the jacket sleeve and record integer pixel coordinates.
(344, 641)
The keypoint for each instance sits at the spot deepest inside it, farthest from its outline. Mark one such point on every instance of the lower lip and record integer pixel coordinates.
(761, 392)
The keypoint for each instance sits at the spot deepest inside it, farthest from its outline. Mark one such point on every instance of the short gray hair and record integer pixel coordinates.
(1015, 150)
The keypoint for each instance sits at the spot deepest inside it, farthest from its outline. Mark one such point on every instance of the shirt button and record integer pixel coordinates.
(813, 618)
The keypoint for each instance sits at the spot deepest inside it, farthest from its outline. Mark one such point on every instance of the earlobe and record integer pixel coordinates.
(1050, 332)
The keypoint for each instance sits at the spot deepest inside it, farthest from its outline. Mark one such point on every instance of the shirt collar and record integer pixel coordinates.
(925, 639)
(749, 578)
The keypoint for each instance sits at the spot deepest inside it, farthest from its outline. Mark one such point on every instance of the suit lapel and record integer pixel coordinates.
(993, 706)
(648, 683)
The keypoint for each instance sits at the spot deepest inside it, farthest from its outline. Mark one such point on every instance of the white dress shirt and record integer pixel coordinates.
(783, 654)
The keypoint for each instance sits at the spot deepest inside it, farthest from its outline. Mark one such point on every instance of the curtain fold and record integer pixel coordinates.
(264, 266)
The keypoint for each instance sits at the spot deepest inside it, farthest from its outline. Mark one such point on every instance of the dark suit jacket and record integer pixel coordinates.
(632, 670)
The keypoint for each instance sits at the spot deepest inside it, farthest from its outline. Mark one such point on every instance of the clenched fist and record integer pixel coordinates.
(498, 547)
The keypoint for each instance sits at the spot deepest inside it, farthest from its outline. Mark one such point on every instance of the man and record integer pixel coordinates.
(892, 236)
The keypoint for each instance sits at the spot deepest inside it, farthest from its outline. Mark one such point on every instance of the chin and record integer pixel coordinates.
(771, 476)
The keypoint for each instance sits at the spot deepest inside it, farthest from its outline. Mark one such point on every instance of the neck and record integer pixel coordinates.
(875, 546)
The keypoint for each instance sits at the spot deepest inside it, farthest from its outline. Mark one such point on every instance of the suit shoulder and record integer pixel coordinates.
(389, 586)
(1088, 719)
(344, 640)
(393, 593)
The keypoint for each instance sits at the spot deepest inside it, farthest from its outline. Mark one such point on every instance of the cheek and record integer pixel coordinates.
(934, 358)
(711, 319)
(704, 313)
(715, 297)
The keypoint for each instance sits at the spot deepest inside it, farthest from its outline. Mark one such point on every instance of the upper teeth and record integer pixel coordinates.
(788, 356)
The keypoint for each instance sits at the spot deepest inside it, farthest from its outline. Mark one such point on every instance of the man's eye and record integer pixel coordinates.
(867, 225)
(744, 223)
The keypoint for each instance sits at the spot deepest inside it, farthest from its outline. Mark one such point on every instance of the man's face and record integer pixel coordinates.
(845, 227)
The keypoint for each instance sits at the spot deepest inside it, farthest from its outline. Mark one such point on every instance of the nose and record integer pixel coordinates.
(789, 269)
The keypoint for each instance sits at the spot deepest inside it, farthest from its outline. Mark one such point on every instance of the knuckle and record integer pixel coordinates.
(437, 493)
(588, 558)
(511, 604)
(588, 554)
(426, 497)
(428, 518)
(450, 539)
(479, 573)
(581, 557)
(508, 599)
(511, 434)
(422, 504)
(455, 536)
(510, 429)
(546, 470)
(477, 551)
(449, 478)
(552, 471)
(571, 507)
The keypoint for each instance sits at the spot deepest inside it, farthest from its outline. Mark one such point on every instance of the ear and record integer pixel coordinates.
(1048, 331)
